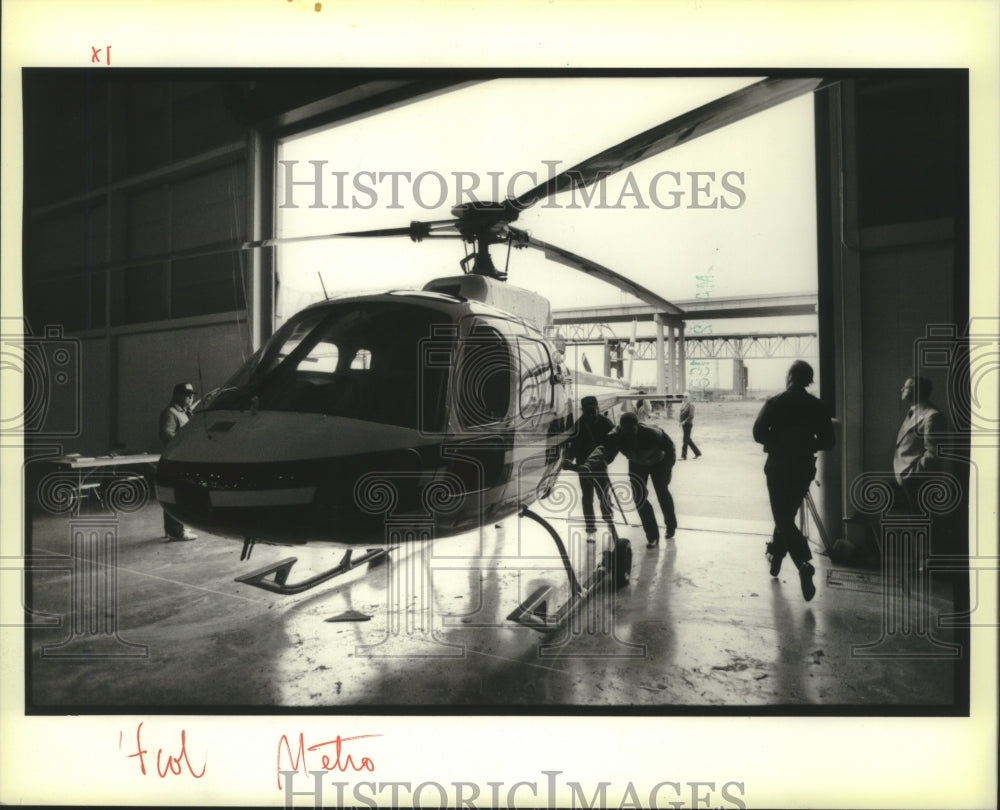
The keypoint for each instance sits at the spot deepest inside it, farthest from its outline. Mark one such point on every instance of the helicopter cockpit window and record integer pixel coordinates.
(322, 359)
(359, 360)
(483, 380)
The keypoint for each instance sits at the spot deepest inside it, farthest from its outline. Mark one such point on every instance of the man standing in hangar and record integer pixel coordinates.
(172, 419)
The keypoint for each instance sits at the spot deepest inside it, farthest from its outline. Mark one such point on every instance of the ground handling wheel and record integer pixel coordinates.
(618, 562)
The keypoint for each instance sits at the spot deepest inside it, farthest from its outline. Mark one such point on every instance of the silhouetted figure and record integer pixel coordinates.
(687, 423)
(792, 426)
(588, 432)
(650, 453)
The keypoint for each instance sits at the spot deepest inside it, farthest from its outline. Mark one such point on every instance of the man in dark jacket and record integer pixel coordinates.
(651, 456)
(588, 432)
(792, 426)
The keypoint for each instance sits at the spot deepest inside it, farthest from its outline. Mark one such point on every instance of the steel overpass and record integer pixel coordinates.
(754, 306)
(671, 341)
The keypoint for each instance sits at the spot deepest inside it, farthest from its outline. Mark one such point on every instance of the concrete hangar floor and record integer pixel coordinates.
(701, 627)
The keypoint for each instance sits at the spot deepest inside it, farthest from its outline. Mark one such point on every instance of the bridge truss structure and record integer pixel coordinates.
(747, 345)
(684, 336)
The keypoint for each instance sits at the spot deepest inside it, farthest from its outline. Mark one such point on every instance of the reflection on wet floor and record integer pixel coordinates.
(700, 624)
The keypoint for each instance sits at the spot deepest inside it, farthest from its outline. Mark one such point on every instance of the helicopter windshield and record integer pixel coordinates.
(362, 360)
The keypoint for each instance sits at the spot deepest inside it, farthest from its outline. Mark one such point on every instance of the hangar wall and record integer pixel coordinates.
(892, 163)
(141, 186)
(905, 289)
(136, 204)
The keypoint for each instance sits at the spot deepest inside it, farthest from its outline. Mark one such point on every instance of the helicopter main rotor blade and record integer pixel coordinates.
(565, 257)
(416, 231)
(709, 117)
(473, 221)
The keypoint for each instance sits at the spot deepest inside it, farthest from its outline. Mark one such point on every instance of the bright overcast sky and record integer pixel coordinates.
(764, 242)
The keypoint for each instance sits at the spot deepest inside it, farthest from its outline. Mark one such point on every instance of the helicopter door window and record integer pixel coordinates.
(483, 381)
(536, 377)
(362, 360)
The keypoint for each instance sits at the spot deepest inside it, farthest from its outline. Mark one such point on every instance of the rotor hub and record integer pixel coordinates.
(484, 222)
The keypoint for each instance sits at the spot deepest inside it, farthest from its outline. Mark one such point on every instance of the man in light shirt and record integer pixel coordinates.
(917, 439)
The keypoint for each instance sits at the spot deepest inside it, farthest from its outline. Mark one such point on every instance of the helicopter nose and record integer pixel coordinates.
(235, 437)
(293, 500)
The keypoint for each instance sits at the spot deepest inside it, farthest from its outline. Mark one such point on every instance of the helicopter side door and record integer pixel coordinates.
(541, 423)
(482, 409)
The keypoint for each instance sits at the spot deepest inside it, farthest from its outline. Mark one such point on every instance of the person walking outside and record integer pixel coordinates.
(687, 423)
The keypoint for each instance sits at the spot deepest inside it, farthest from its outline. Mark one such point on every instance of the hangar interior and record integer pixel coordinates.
(140, 190)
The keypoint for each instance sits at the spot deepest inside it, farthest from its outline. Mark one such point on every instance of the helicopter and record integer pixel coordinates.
(448, 407)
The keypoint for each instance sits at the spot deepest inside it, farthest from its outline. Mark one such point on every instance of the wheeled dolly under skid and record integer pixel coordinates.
(615, 569)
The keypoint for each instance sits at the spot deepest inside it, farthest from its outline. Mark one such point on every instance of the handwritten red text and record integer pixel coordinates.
(333, 756)
(169, 764)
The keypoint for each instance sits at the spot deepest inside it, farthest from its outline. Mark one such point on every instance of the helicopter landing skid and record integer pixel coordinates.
(533, 613)
(281, 570)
